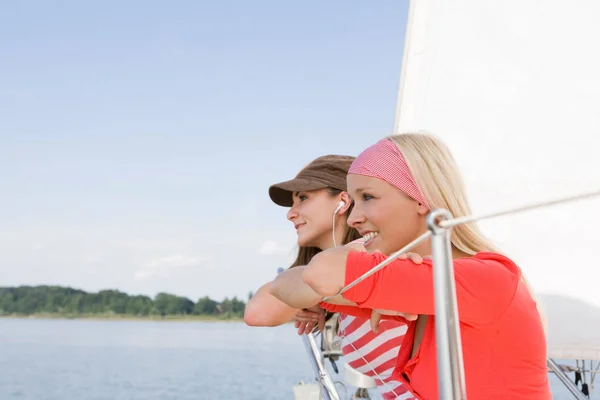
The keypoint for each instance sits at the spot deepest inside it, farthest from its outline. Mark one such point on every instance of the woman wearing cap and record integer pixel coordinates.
(319, 207)
(394, 184)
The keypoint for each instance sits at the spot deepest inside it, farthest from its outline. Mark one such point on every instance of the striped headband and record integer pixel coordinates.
(384, 161)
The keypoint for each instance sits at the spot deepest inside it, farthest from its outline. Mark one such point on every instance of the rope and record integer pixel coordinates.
(472, 218)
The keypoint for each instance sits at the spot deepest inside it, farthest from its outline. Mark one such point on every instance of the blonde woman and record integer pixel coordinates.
(394, 185)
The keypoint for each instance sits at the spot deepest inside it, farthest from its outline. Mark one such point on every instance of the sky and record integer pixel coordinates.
(138, 140)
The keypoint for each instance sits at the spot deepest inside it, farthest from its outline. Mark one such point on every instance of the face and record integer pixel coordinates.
(386, 217)
(312, 216)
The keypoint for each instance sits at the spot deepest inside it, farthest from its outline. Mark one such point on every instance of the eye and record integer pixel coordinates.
(302, 197)
(366, 196)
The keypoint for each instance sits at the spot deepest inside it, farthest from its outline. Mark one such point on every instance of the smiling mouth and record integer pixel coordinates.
(369, 238)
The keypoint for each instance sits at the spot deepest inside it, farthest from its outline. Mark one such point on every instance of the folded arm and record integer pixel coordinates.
(264, 309)
(290, 288)
(484, 287)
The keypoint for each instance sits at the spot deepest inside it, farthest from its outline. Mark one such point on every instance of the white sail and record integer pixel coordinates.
(513, 87)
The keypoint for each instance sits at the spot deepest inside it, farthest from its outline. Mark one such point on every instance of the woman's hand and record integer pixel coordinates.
(307, 319)
(376, 317)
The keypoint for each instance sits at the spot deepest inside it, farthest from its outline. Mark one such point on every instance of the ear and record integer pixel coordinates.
(345, 197)
(422, 209)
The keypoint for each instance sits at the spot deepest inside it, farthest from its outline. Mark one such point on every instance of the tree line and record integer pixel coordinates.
(59, 300)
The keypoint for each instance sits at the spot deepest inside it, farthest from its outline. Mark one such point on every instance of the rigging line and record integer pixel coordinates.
(515, 210)
(382, 264)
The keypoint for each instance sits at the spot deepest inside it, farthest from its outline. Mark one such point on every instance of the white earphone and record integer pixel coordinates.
(340, 205)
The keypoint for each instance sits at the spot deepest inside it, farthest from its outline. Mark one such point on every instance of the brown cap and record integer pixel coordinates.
(325, 171)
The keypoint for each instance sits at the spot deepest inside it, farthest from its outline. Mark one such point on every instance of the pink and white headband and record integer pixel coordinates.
(383, 160)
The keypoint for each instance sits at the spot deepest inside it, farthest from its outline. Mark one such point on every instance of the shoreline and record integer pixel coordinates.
(118, 317)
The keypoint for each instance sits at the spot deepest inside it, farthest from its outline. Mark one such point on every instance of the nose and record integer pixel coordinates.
(356, 217)
(292, 214)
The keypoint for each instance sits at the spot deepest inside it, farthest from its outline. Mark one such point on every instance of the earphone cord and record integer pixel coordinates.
(338, 208)
(333, 224)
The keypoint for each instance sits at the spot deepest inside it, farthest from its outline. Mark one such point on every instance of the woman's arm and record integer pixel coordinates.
(326, 272)
(484, 286)
(264, 309)
(292, 290)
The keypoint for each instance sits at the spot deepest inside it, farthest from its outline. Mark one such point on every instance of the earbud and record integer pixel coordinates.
(340, 205)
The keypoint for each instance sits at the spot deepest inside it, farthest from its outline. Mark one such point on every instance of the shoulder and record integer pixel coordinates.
(495, 261)
(489, 269)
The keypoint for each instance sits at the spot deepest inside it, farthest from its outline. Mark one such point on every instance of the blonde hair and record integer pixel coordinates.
(438, 178)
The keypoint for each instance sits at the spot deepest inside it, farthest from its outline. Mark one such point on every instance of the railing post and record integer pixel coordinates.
(328, 389)
(451, 380)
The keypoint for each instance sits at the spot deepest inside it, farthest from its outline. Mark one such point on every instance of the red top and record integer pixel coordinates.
(503, 339)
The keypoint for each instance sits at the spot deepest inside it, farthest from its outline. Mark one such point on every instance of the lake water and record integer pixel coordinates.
(152, 360)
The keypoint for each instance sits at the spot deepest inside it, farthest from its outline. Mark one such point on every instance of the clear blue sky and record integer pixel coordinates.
(138, 139)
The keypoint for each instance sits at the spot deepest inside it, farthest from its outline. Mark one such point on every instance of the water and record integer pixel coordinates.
(151, 360)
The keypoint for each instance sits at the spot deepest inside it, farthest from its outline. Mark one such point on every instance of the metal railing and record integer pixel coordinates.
(451, 380)
(565, 380)
(328, 389)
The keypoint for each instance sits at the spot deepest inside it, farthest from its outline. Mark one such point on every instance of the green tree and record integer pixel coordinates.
(206, 306)
(168, 304)
(60, 300)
